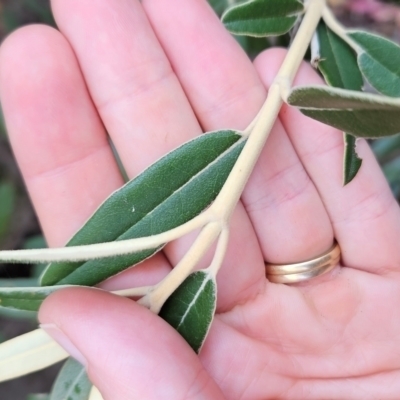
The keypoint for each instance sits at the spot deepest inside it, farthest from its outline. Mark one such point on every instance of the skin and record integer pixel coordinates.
(155, 74)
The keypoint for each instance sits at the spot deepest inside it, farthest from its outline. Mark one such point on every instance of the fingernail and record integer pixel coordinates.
(62, 339)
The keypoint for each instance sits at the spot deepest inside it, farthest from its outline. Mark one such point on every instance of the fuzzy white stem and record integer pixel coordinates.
(333, 24)
(155, 300)
(99, 250)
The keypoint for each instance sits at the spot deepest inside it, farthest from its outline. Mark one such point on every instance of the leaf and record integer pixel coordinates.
(190, 309)
(7, 199)
(360, 114)
(385, 149)
(219, 6)
(167, 194)
(339, 67)
(38, 396)
(379, 62)
(352, 162)
(27, 299)
(338, 62)
(72, 382)
(262, 17)
(28, 353)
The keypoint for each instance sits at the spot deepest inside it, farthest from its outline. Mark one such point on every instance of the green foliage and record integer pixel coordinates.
(169, 193)
(379, 62)
(338, 65)
(7, 201)
(72, 383)
(190, 309)
(261, 18)
(39, 396)
(360, 114)
(25, 298)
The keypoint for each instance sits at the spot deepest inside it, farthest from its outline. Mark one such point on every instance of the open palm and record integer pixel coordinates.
(154, 74)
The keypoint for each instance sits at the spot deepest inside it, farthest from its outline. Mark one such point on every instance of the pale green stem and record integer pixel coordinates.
(155, 300)
(134, 292)
(28, 353)
(265, 120)
(220, 252)
(109, 249)
(233, 188)
(333, 24)
(95, 394)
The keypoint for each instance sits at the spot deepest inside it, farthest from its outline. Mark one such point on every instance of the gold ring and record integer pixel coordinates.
(305, 270)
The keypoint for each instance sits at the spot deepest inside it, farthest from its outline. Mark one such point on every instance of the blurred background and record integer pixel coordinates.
(18, 225)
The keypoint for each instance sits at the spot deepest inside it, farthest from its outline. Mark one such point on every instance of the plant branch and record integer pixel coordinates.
(155, 300)
(265, 120)
(109, 249)
(220, 252)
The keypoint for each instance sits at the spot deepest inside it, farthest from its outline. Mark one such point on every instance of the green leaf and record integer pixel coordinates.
(38, 396)
(339, 67)
(379, 62)
(392, 173)
(25, 298)
(262, 17)
(386, 148)
(352, 162)
(7, 200)
(190, 309)
(169, 193)
(338, 62)
(219, 6)
(360, 114)
(72, 382)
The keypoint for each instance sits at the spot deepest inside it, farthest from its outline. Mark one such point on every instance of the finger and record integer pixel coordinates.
(364, 214)
(135, 355)
(131, 82)
(144, 107)
(57, 136)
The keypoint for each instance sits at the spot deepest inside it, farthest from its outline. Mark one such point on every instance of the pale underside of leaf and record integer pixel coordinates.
(72, 382)
(169, 193)
(190, 309)
(28, 353)
(26, 298)
(95, 394)
(360, 114)
(262, 18)
(379, 62)
(340, 69)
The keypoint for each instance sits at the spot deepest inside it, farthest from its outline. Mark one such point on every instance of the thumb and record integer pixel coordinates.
(129, 353)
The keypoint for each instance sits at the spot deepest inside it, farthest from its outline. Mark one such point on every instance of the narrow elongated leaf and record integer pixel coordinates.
(352, 162)
(38, 396)
(167, 194)
(190, 309)
(72, 383)
(379, 62)
(7, 199)
(338, 61)
(26, 298)
(360, 114)
(340, 69)
(29, 353)
(262, 17)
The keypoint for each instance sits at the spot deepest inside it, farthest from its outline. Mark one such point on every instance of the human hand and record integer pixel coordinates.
(155, 74)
